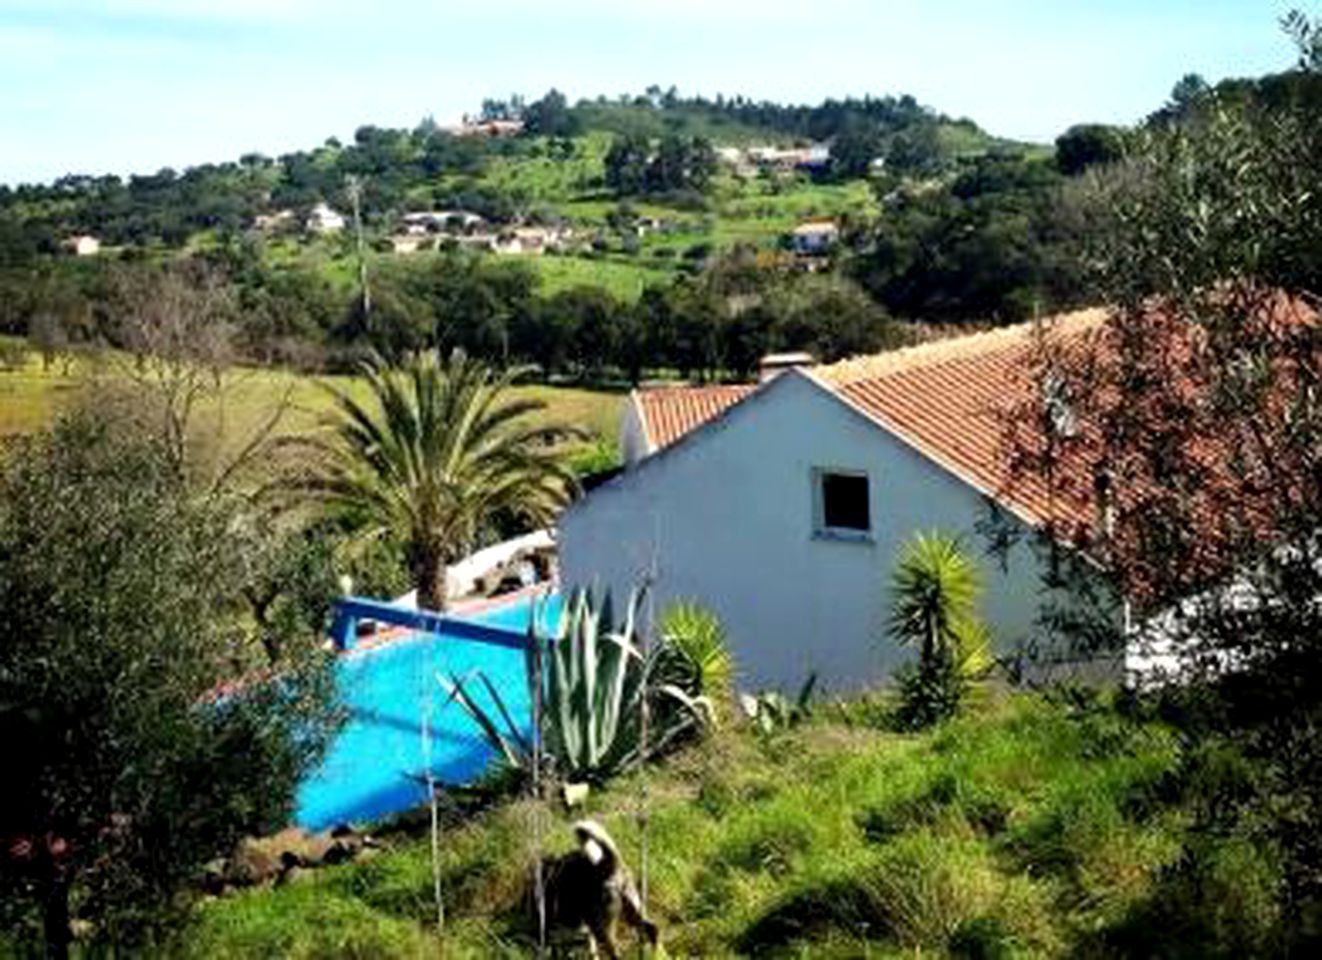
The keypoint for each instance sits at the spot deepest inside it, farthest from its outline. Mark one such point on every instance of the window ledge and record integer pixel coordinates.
(845, 536)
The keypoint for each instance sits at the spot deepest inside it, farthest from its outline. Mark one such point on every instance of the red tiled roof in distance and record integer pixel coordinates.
(668, 413)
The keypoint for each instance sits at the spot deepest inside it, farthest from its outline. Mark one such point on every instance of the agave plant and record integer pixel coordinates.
(595, 682)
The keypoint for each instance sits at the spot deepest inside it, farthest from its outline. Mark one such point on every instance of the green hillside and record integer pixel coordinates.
(1024, 830)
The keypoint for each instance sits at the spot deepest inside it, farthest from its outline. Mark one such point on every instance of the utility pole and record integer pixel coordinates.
(354, 184)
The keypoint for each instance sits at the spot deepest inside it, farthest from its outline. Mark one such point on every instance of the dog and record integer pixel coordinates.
(590, 889)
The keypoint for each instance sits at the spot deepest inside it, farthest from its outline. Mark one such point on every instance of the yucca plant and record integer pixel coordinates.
(594, 681)
(696, 657)
(935, 592)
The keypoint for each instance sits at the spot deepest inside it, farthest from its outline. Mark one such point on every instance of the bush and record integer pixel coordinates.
(118, 588)
(935, 590)
(920, 892)
(1223, 898)
(697, 658)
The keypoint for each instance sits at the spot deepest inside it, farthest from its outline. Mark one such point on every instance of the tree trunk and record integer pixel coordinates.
(55, 919)
(430, 575)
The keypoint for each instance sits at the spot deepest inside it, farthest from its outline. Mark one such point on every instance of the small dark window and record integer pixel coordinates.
(845, 502)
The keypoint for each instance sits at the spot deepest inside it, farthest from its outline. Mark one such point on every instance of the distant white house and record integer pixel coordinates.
(813, 157)
(469, 127)
(410, 242)
(783, 505)
(441, 221)
(83, 245)
(531, 240)
(269, 222)
(324, 219)
(815, 238)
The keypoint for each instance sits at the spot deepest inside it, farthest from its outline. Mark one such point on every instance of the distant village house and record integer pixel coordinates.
(486, 128)
(815, 238)
(441, 221)
(323, 219)
(83, 245)
(271, 222)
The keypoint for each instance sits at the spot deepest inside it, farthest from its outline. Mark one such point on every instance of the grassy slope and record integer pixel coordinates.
(757, 211)
(1017, 831)
(29, 399)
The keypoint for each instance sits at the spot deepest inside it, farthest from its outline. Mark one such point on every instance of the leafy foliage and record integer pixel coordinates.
(634, 167)
(935, 589)
(991, 242)
(437, 454)
(596, 683)
(118, 588)
(1199, 445)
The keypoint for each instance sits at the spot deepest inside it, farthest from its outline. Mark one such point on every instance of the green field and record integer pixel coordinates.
(32, 396)
(1023, 830)
(624, 281)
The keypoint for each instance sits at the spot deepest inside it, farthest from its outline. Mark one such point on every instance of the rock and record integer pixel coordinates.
(575, 794)
(292, 851)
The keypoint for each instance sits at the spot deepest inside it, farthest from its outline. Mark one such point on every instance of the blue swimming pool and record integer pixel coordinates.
(377, 764)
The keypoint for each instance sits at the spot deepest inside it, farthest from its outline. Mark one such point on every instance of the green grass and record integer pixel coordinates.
(756, 211)
(623, 280)
(1021, 830)
(33, 395)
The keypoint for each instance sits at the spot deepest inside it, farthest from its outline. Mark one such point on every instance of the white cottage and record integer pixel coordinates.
(325, 219)
(783, 505)
(83, 245)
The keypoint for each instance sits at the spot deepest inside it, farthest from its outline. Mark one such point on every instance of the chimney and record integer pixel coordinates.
(776, 363)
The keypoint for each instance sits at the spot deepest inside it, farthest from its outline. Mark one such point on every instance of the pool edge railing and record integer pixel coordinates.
(350, 610)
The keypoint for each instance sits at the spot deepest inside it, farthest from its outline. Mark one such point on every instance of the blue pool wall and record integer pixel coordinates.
(376, 767)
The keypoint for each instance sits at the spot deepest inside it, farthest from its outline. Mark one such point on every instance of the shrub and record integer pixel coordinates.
(594, 681)
(1223, 898)
(918, 892)
(772, 712)
(935, 590)
(128, 771)
(695, 656)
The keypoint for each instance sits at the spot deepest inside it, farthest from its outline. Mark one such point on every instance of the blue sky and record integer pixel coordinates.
(123, 86)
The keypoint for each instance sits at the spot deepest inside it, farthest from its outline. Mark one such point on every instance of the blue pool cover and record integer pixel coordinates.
(377, 765)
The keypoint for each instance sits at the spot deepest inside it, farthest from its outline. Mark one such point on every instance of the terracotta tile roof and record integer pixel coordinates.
(955, 348)
(945, 398)
(950, 399)
(668, 413)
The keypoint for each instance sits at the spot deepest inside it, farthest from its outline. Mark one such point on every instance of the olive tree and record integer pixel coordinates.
(134, 753)
(1195, 442)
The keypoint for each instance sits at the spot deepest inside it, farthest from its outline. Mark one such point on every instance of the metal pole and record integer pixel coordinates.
(355, 187)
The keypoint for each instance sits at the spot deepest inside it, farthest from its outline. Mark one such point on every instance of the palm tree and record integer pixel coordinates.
(438, 451)
(935, 592)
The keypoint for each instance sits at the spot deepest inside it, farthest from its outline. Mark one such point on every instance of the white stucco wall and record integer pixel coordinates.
(727, 517)
(633, 438)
